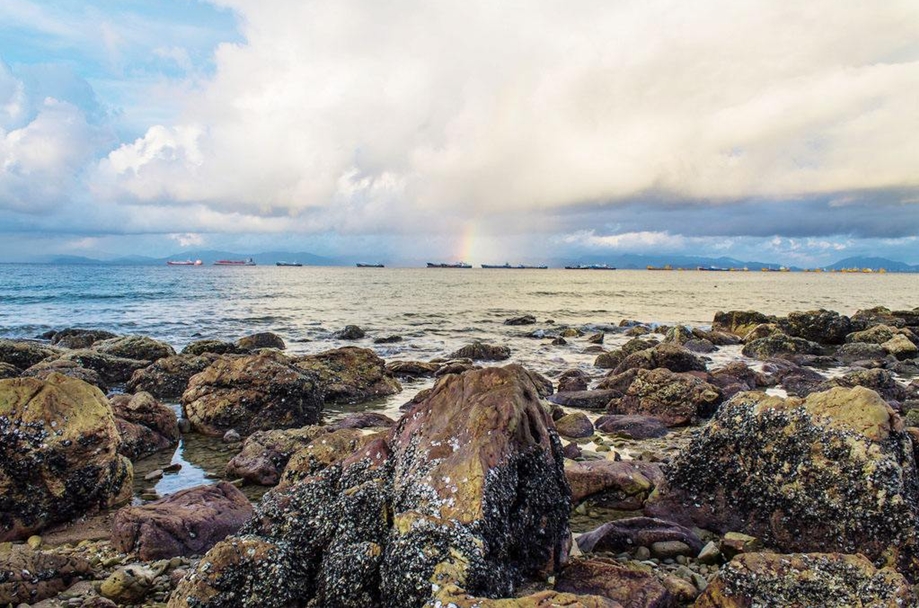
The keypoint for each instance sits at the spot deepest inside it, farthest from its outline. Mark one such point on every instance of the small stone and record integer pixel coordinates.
(710, 553)
(683, 590)
(173, 468)
(184, 425)
(232, 436)
(667, 549)
(153, 475)
(642, 553)
(34, 541)
(735, 543)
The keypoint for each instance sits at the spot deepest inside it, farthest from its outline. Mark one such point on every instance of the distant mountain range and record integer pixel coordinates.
(624, 261)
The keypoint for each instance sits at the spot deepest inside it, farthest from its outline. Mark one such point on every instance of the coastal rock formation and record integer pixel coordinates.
(362, 420)
(28, 577)
(249, 393)
(412, 369)
(266, 453)
(112, 369)
(821, 326)
(216, 347)
(617, 484)
(521, 320)
(265, 339)
(479, 351)
(779, 345)
(350, 374)
(321, 453)
(739, 322)
(879, 380)
(832, 472)
(630, 586)
(466, 491)
(9, 371)
(613, 358)
(167, 378)
(632, 427)
(575, 425)
(58, 454)
(75, 337)
(573, 380)
(146, 426)
(633, 532)
(830, 580)
(666, 356)
(188, 522)
(350, 332)
(70, 369)
(589, 400)
(24, 354)
(141, 348)
(675, 399)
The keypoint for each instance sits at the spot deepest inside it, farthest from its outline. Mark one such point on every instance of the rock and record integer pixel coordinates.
(675, 399)
(362, 420)
(627, 534)
(756, 466)
(596, 338)
(9, 371)
(216, 347)
(573, 380)
(128, 584)
(186, 523)
(669, 549)
(479, 351)
(877, 334)
(452, 596)
(458, 366)
(738, 322)
(80, 338)
(879, 315)
(573, 451)
(679, 335)
(232, 436)
(265, 339)
(522, 320)
(699, 346)
(821, 326)
(574, 425)
(831, 580)
(266, 453)
(763, 330)
(612, 359)
(737, 376)
(879, 380)
(544, 387)
(570, 332)
(145, 425)
(23, 354)
(350, 374)
(467, 490)
(859, 351)
(668, 356)
(779, 345)
(717, 337)
(621, 484)
(710, 554)
(112, 369)
(154, 475)
(412, 369)
(735, 543)
(141, 348)
(559, 341)
(321, 453)
(251, 393)
(350, 332)
(34, 541)
(589, 400)
(795, 379)
(58, 454)
(387, 339)
(632, 427)
(70, 369)
(167, 378)
(28, 576)
(901, 347)
(631, 587)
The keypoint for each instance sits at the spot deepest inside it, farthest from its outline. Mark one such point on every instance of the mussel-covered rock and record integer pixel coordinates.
(142, 348)
(75, 337)
(350, 374)
(168, 377)
(24, 353)
(71, 369)
(28, 577)
(266, 453)
(146, 426)
(467, 491)
(251, 393)
(480, 351)
(188, 522)
(58, 454)
(322, 452)
(821, 326)
(265, 339)
(830, 580)
(675, 399)
(9, 371)
(779, 345)
(667, 356)
(832, 472)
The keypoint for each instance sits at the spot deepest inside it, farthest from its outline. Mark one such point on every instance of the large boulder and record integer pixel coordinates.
(249, 393)
(821, 326)
(876, 334)
(71, 369)
(879, 315)
(146, 426)
(167, 378)
(613, 358)
(28, 577)
(111, 369)
(9, 371)
(779, 345)
(24, 353)
(58, 454)
(617, 484)
(323, 452)
(214, 347)
(350, 374)
(467, 490)
(832, 472)
(75, 337)
(265, 339)
(589, 400)
(830, 580)
(630, 586)
(901, 347)
(675, 399)
(739, 322)
(667, 356)
(479, 351)
(880, 381)
(142, 348)
(186, 523)
(266, 453)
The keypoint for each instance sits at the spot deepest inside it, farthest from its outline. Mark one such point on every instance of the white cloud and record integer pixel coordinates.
(626, 241)
(188, 239)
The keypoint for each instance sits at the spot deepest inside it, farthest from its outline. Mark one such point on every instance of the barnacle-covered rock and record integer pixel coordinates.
(739, 322)
(142, 348)
(168, 377)
(266, 453)
(479, 351)
(676, 399)
(832, 472)
(667, 355)
(71, 369)
(249, 393)
(28, 576)
(779, 345)
(146, 426)
(322, 452)
(830, 580)
(350, 374)
(466, 491)
(58, 454)
(880, 381)
(821, 326)
(24, 353)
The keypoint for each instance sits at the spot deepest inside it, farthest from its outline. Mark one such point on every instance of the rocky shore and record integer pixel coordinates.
(758, 461)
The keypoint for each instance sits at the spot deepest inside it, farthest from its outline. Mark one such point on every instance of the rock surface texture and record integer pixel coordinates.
(58, 454)
(350, 374)
(467, 492)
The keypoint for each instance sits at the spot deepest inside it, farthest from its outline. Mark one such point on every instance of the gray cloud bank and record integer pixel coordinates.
(713, 118)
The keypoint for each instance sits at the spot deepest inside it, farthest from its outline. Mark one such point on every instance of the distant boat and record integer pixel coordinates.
(183, 263)
(667, 267)
(442, 265)
(248, 262)
(590, 267)
(362, 265)
(507, 266)
(296, 264)
(712, 268)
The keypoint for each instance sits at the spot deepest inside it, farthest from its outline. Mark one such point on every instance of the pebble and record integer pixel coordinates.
(34, 541)
(156, 474)
(173, 468)
(642, 553)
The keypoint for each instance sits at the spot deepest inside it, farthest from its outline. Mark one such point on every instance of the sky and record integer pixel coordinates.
(784, 132)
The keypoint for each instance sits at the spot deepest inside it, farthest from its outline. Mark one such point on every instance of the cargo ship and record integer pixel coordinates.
(507, 266)
(442, 265)
(183, 263)
(248, 262)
